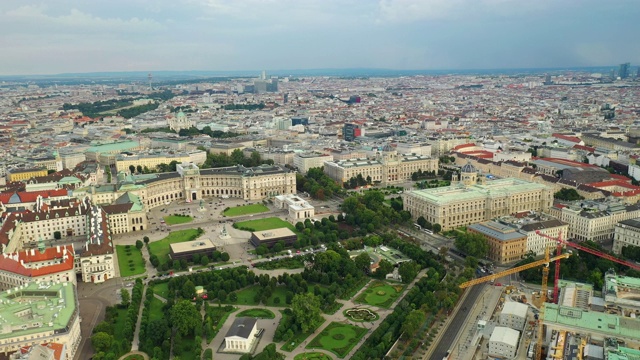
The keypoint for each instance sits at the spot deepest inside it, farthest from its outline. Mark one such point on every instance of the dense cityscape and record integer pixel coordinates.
(321, 217)
(319, 180)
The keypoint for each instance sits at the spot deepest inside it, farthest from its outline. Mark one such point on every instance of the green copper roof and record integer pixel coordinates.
(35, 308)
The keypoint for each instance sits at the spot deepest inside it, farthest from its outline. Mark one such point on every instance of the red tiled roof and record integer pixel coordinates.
(583, 147)
(462, 146)
(15, 266)
(566, 137)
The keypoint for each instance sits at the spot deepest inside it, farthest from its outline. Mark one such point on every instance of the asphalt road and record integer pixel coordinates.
(457, 324)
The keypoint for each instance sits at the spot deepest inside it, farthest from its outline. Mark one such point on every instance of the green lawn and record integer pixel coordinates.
(264, 224)
(312, 356)
(299, 338)
(134, 357)
(257, 313)
(247, 295)
(130, 260)
(246, 210)
(218, 316)
(162, 289)
(338, 338)
(161, 248)
(380, 294)
(186, 348)
(155, 309)
(177, 219)
(118, 325)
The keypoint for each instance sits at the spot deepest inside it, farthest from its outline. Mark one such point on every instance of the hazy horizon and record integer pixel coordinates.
(61, 36)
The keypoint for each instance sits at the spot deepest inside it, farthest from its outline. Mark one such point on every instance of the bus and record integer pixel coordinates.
(428, 231)
(417, 226)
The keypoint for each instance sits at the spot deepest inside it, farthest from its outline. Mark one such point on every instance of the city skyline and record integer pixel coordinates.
(220, 35)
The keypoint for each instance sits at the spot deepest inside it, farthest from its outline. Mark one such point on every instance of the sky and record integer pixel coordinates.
(58, 36)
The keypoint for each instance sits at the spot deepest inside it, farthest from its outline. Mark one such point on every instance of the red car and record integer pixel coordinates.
(498, 284)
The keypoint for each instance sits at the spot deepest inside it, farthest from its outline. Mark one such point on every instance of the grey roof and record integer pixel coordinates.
(631, 222)
(498, 231)
(468, 168)
(241, 327)
(542, 225)
(388, 148)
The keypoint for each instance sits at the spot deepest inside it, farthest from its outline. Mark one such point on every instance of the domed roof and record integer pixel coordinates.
(180, 115)
(468, 168)
(388, 148)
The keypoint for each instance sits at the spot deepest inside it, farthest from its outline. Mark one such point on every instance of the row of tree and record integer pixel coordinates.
(216, 134)
(215, 160)
(436, 228)
(357, 181)
(318, 184)
(108, 344)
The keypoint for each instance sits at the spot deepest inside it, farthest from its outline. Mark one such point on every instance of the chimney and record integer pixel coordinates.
(33, 252)
(58, 249)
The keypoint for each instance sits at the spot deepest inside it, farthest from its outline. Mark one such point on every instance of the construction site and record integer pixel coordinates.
(570, 320)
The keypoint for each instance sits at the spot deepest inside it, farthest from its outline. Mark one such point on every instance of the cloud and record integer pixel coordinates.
(35, 19)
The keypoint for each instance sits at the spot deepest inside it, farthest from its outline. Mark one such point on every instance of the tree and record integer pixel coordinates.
(184, 316)
(103, 326)
(436, 228)
(306, 311)
(57, 235)
(132, 169)
(422, 222)
(139, 169)
(101, 341)
(412, 323)
(204, 260)
(139, 244)
(408, 270)
(146, 239)
(472, 244)
(568, 195)
(126, 297)
(363, 262)
(188, 290)
(224, 257)
(384, 268)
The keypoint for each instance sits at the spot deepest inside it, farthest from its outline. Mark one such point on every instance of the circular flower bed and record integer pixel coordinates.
(361, 314)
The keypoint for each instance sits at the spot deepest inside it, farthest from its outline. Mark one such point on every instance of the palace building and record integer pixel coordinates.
(387, 168)
(469, 201)
(40, 313)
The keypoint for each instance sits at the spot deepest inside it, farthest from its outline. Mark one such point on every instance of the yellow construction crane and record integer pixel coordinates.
(543, 291)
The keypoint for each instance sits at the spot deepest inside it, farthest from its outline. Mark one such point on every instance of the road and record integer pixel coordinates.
(457, 323)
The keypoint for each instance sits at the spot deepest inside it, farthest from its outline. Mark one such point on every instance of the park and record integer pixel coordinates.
(380, 294)
(130, 260)
(338, 338)
(245, 210)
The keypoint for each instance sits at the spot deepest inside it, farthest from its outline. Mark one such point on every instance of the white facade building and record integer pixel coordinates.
(504, 342)
(241, 335)
(306, 161)
(299, 209)
(626, 233)
(514, 315)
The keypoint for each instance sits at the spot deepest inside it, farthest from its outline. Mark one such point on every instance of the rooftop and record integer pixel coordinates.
(603, 323)
(505, 335)
(195, 245)
(273, 233)
(498, 231)
(36, 307)
(492, 189)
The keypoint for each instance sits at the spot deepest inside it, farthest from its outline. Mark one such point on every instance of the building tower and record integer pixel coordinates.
(468, 174)
(389, 159)
(623, 70)
(150, 77)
